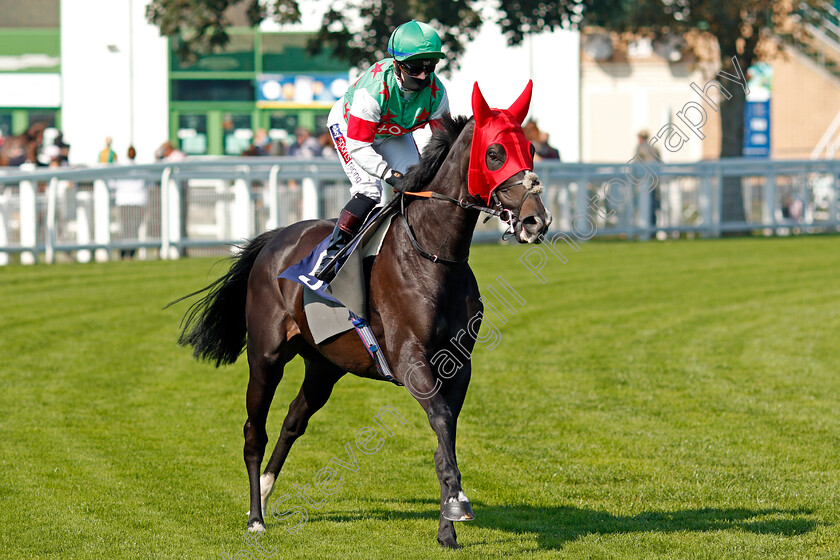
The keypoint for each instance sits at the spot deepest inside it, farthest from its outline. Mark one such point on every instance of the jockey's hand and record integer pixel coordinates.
(394, 178)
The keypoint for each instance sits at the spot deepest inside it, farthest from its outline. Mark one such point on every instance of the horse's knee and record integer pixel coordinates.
(441, 419)
(294, 427)
(255, 438)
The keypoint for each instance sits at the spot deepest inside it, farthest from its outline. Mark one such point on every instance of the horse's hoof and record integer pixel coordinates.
(457, 510)
(256, 526)
(449, 544)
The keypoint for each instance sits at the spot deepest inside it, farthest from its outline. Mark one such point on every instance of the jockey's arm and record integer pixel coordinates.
(362, 122)
(440, 112)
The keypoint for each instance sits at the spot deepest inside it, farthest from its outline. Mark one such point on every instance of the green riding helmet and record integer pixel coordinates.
(414, 39)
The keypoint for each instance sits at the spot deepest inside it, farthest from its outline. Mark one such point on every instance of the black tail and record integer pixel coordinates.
(215, 325)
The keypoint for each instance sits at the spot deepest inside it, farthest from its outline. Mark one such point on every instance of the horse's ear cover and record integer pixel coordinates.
(498, 126)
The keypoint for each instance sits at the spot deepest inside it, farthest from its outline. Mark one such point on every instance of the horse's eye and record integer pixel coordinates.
(495, 156)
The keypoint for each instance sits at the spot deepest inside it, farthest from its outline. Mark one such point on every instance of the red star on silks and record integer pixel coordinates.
(376, 69)
(385, 91)
(424, 115)
(388, 117)
(346, 109)
(434, 89)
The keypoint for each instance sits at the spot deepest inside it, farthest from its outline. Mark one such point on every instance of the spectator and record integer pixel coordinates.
(253, 150)
(305, 145)
(167, 152)
(646, 162)
(53, 153)
(262, 142)
(107, 155)
(260, 146)
(63, 149)
(542, 149)
(328, 150)
(131, 198)
(545, 150)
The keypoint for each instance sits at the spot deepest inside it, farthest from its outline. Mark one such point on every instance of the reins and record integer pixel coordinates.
(413, 238)
(530, 181)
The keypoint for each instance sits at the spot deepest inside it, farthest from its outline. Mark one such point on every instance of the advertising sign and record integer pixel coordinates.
(281, 91)
(757, 111)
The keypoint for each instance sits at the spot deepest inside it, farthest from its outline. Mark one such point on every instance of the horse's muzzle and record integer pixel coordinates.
(531, 229)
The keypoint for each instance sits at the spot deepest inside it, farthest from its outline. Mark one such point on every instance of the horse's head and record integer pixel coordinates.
(501, 166)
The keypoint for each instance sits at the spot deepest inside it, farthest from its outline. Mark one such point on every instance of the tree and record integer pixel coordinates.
(355, 31)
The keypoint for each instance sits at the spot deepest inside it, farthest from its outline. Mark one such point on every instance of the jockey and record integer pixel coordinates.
(371, 125)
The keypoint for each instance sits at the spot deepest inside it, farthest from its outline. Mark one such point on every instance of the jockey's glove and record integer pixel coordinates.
(393, 178)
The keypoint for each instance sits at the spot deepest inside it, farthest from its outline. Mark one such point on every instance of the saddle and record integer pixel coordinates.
(341, 305)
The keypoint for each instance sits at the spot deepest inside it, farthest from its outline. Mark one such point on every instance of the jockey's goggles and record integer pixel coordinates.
(417, 67)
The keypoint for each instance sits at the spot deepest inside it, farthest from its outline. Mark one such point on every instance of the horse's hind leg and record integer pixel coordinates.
(266, 370)
(321, 375)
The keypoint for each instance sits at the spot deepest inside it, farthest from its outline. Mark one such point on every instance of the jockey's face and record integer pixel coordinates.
(419, 69)
(416, 74)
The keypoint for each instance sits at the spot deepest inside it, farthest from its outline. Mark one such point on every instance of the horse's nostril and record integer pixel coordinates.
(532, 223)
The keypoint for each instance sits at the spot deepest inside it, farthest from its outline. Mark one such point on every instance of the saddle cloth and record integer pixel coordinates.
(328, 307)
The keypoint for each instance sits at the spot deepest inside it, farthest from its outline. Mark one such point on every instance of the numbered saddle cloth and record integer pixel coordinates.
(326, 306)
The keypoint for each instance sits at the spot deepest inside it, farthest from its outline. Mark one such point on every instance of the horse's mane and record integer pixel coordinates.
(435, 152)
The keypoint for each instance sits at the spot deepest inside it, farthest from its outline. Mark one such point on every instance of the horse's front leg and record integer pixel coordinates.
(442, 403)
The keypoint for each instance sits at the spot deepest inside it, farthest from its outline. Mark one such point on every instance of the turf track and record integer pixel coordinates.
(651, 400)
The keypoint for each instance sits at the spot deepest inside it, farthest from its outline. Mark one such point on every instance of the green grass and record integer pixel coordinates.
(651, 400)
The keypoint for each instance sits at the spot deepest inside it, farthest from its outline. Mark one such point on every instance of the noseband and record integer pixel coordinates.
(530, 181)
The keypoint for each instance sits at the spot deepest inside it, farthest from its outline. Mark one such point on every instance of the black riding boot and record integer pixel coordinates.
(349, 222)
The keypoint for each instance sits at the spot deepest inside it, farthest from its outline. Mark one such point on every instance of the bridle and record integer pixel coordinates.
(530, 181)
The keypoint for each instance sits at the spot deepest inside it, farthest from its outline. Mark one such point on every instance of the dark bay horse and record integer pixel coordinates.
(23, 148)
(416, 305)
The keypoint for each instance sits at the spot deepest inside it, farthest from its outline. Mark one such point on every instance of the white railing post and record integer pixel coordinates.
(164, 213)
(676, 195)
(49, 245)
(221, 207)
(243, 218)
(835, 192)
(704, 200)
(644, 209)
(170, 218)
(4, 224)
(176, 212)
(28, 221)
(580, 198)
(83, 198)
(310, 196)
(564, 204)
(101, 219)
(768, 216)
(273, 204)
(717, 200)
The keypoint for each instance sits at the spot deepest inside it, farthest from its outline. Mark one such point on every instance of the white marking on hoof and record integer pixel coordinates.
(266, 488)
(257, 528)
(461, 498)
